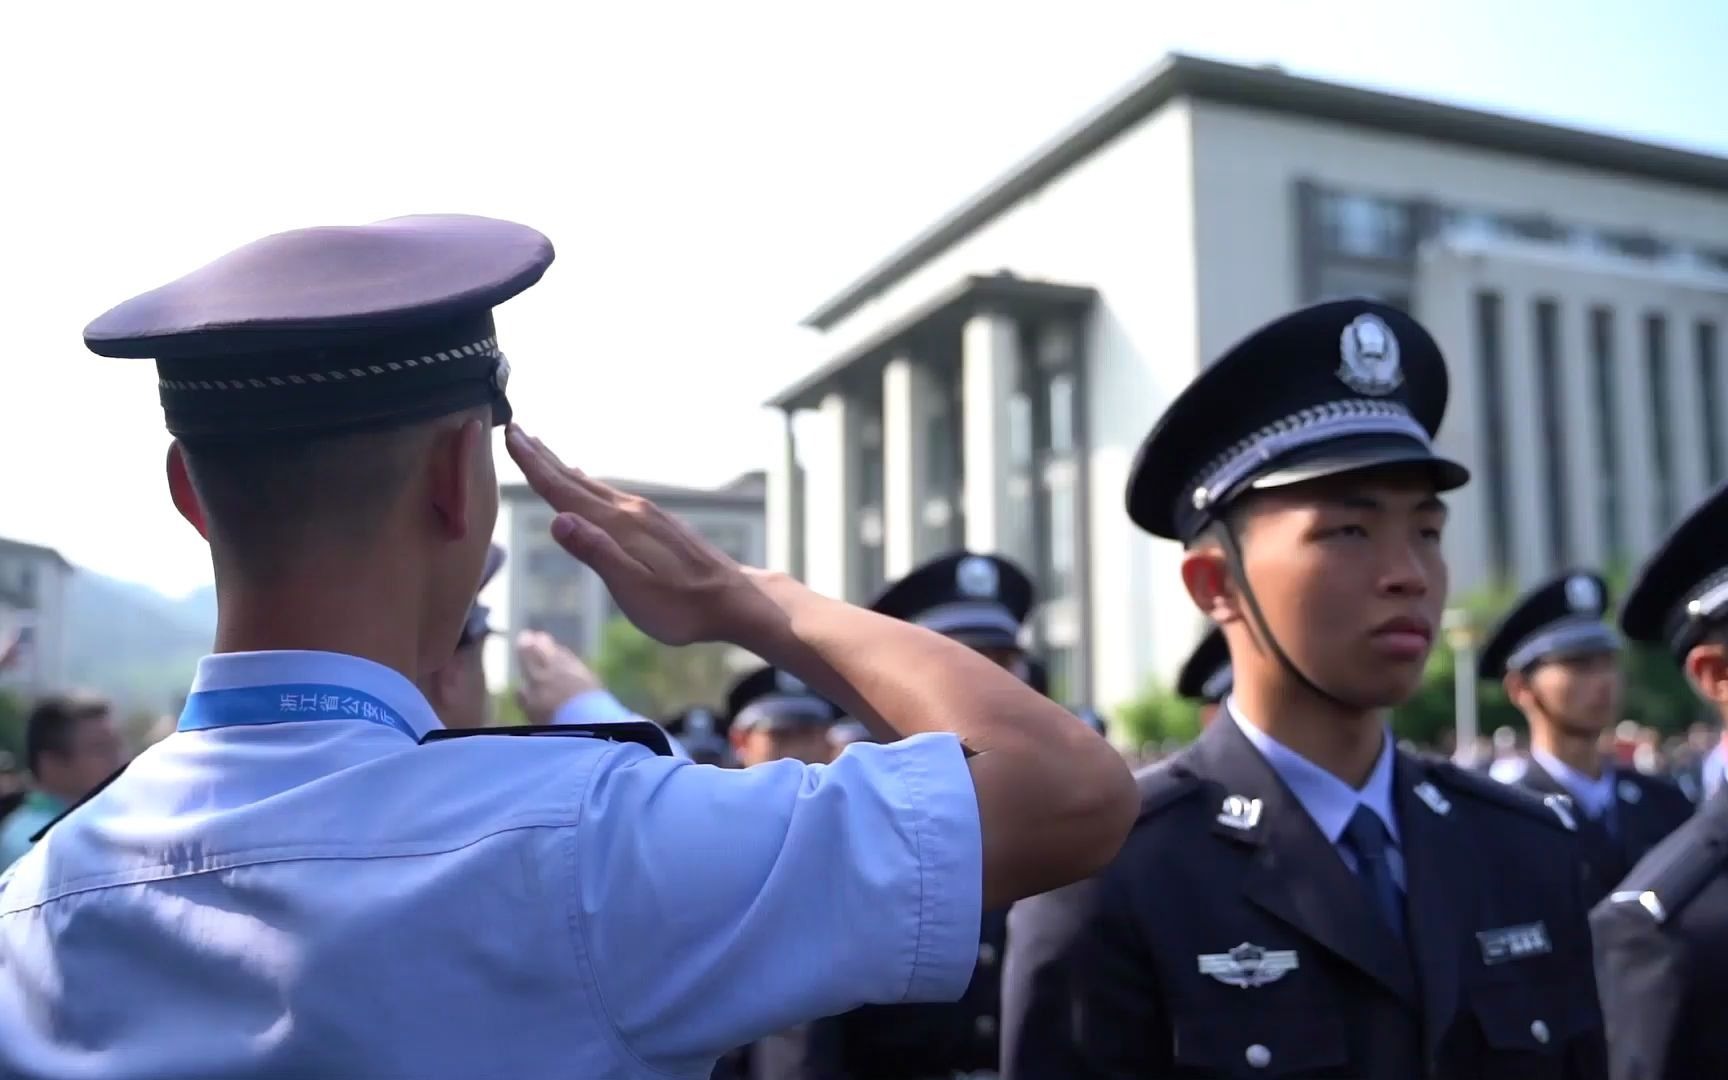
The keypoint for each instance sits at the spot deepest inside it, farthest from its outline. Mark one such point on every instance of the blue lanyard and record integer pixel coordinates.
(285, 704)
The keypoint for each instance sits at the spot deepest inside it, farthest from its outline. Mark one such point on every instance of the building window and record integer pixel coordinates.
(1552, 396)
(1362, 226)
(1710, 401)
(1661, 440)
(1490, 360)
(1607, 429)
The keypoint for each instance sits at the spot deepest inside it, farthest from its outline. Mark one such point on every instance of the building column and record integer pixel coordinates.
(830, 520)
(1640, 498)
(908, 400)
(1526, 480)
(1683, 411)
(1583, 472)
(785, 505)
(990, 364)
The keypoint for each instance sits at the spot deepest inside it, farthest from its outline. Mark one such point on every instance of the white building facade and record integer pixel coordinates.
(989, 383)
(549, 590)
(33, 584)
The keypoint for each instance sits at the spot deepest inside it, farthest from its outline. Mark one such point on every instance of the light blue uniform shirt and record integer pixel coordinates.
(299, 893)
(1331, 802)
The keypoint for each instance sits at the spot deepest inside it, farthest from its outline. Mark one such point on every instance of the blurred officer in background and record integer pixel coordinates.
(1662, 934)
(1559, 661)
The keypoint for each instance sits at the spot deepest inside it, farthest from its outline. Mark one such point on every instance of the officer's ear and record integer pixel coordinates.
(180, 489)
(1206, 575)
(1517, 687)
(1707, 670)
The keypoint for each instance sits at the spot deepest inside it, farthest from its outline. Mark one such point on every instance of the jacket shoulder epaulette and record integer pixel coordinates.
(1675, 871)
(1163, 785)
(1555, 811)
(641, 732)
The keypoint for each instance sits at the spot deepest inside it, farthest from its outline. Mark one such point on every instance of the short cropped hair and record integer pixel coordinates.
(52, 723)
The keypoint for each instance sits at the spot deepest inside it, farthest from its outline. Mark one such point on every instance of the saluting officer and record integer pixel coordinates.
(980, 601)
(772, 715)
(1205, 676)
(1662, 935)
(291, 885)
(1299, 897)
(1560, 663)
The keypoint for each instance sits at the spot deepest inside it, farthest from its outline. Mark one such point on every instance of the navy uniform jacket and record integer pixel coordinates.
(914, 1042)
(1646, 810)
(1105, 978)
(1662, 956)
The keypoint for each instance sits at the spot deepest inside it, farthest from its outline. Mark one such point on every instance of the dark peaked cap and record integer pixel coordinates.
(773, 698)
(1681, 593)
(1561, 617)
(1333, 388)
(331, 330)
(978, 600)
(1207, 677)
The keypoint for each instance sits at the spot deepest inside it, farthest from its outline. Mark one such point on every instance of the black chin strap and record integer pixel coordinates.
(1233, 559)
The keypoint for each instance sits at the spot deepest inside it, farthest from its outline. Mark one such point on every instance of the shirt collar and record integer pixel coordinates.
(234, 671)
(1593, 796)
(1328, 800)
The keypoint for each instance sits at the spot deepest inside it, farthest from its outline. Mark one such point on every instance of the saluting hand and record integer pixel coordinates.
(668, 580)
(551, 675)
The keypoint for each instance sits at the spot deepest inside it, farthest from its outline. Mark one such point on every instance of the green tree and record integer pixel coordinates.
(655, 679)
(13, 713)
(1156, 717)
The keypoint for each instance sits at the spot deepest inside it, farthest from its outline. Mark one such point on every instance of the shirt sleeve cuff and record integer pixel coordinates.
(950, 849)
(596, 706)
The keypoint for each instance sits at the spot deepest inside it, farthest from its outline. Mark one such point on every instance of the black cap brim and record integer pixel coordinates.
(1362, 455)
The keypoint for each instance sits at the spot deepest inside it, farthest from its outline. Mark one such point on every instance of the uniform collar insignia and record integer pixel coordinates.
(1431, 796)
(1240, 813)
(1248, 965)
(1561, 805)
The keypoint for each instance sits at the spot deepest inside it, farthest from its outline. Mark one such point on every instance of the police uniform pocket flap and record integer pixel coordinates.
(1534, 1018)
(1261, 1042)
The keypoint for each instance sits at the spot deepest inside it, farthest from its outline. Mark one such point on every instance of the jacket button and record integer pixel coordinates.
(1258, 1056)
(1540, 1031)
(985, 1026)
(987, 954)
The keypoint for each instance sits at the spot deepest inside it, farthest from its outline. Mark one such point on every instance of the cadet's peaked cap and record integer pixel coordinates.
(981, 600)
(771, 698)
(1207, 677)
(332, 330)
(1333, 388)
(1562, 617)
(1681, 593)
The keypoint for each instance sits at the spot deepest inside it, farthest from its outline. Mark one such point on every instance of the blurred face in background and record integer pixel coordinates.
(800, 740)
(1579, 694)
(93, 751)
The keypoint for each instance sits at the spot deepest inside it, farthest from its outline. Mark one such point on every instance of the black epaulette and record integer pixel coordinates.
(1556, 811)
(1163, 784)
(1674, 872)
(640, 732)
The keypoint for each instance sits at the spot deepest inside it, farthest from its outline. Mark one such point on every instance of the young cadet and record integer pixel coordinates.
(1299, 897)
(1560, 663)
(772, 715)
(980, 601)
(1662, 935)
(1205, 677)
(291, 885)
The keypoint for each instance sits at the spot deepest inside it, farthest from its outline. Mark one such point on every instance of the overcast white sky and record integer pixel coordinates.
(709, 172)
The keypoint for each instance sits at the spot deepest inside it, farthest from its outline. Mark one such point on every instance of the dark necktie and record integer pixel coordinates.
(1368, 840)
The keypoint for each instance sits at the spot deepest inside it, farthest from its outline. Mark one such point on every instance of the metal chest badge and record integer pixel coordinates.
(1249, 965)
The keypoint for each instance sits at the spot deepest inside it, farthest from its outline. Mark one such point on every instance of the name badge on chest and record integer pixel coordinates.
(1514, 943)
